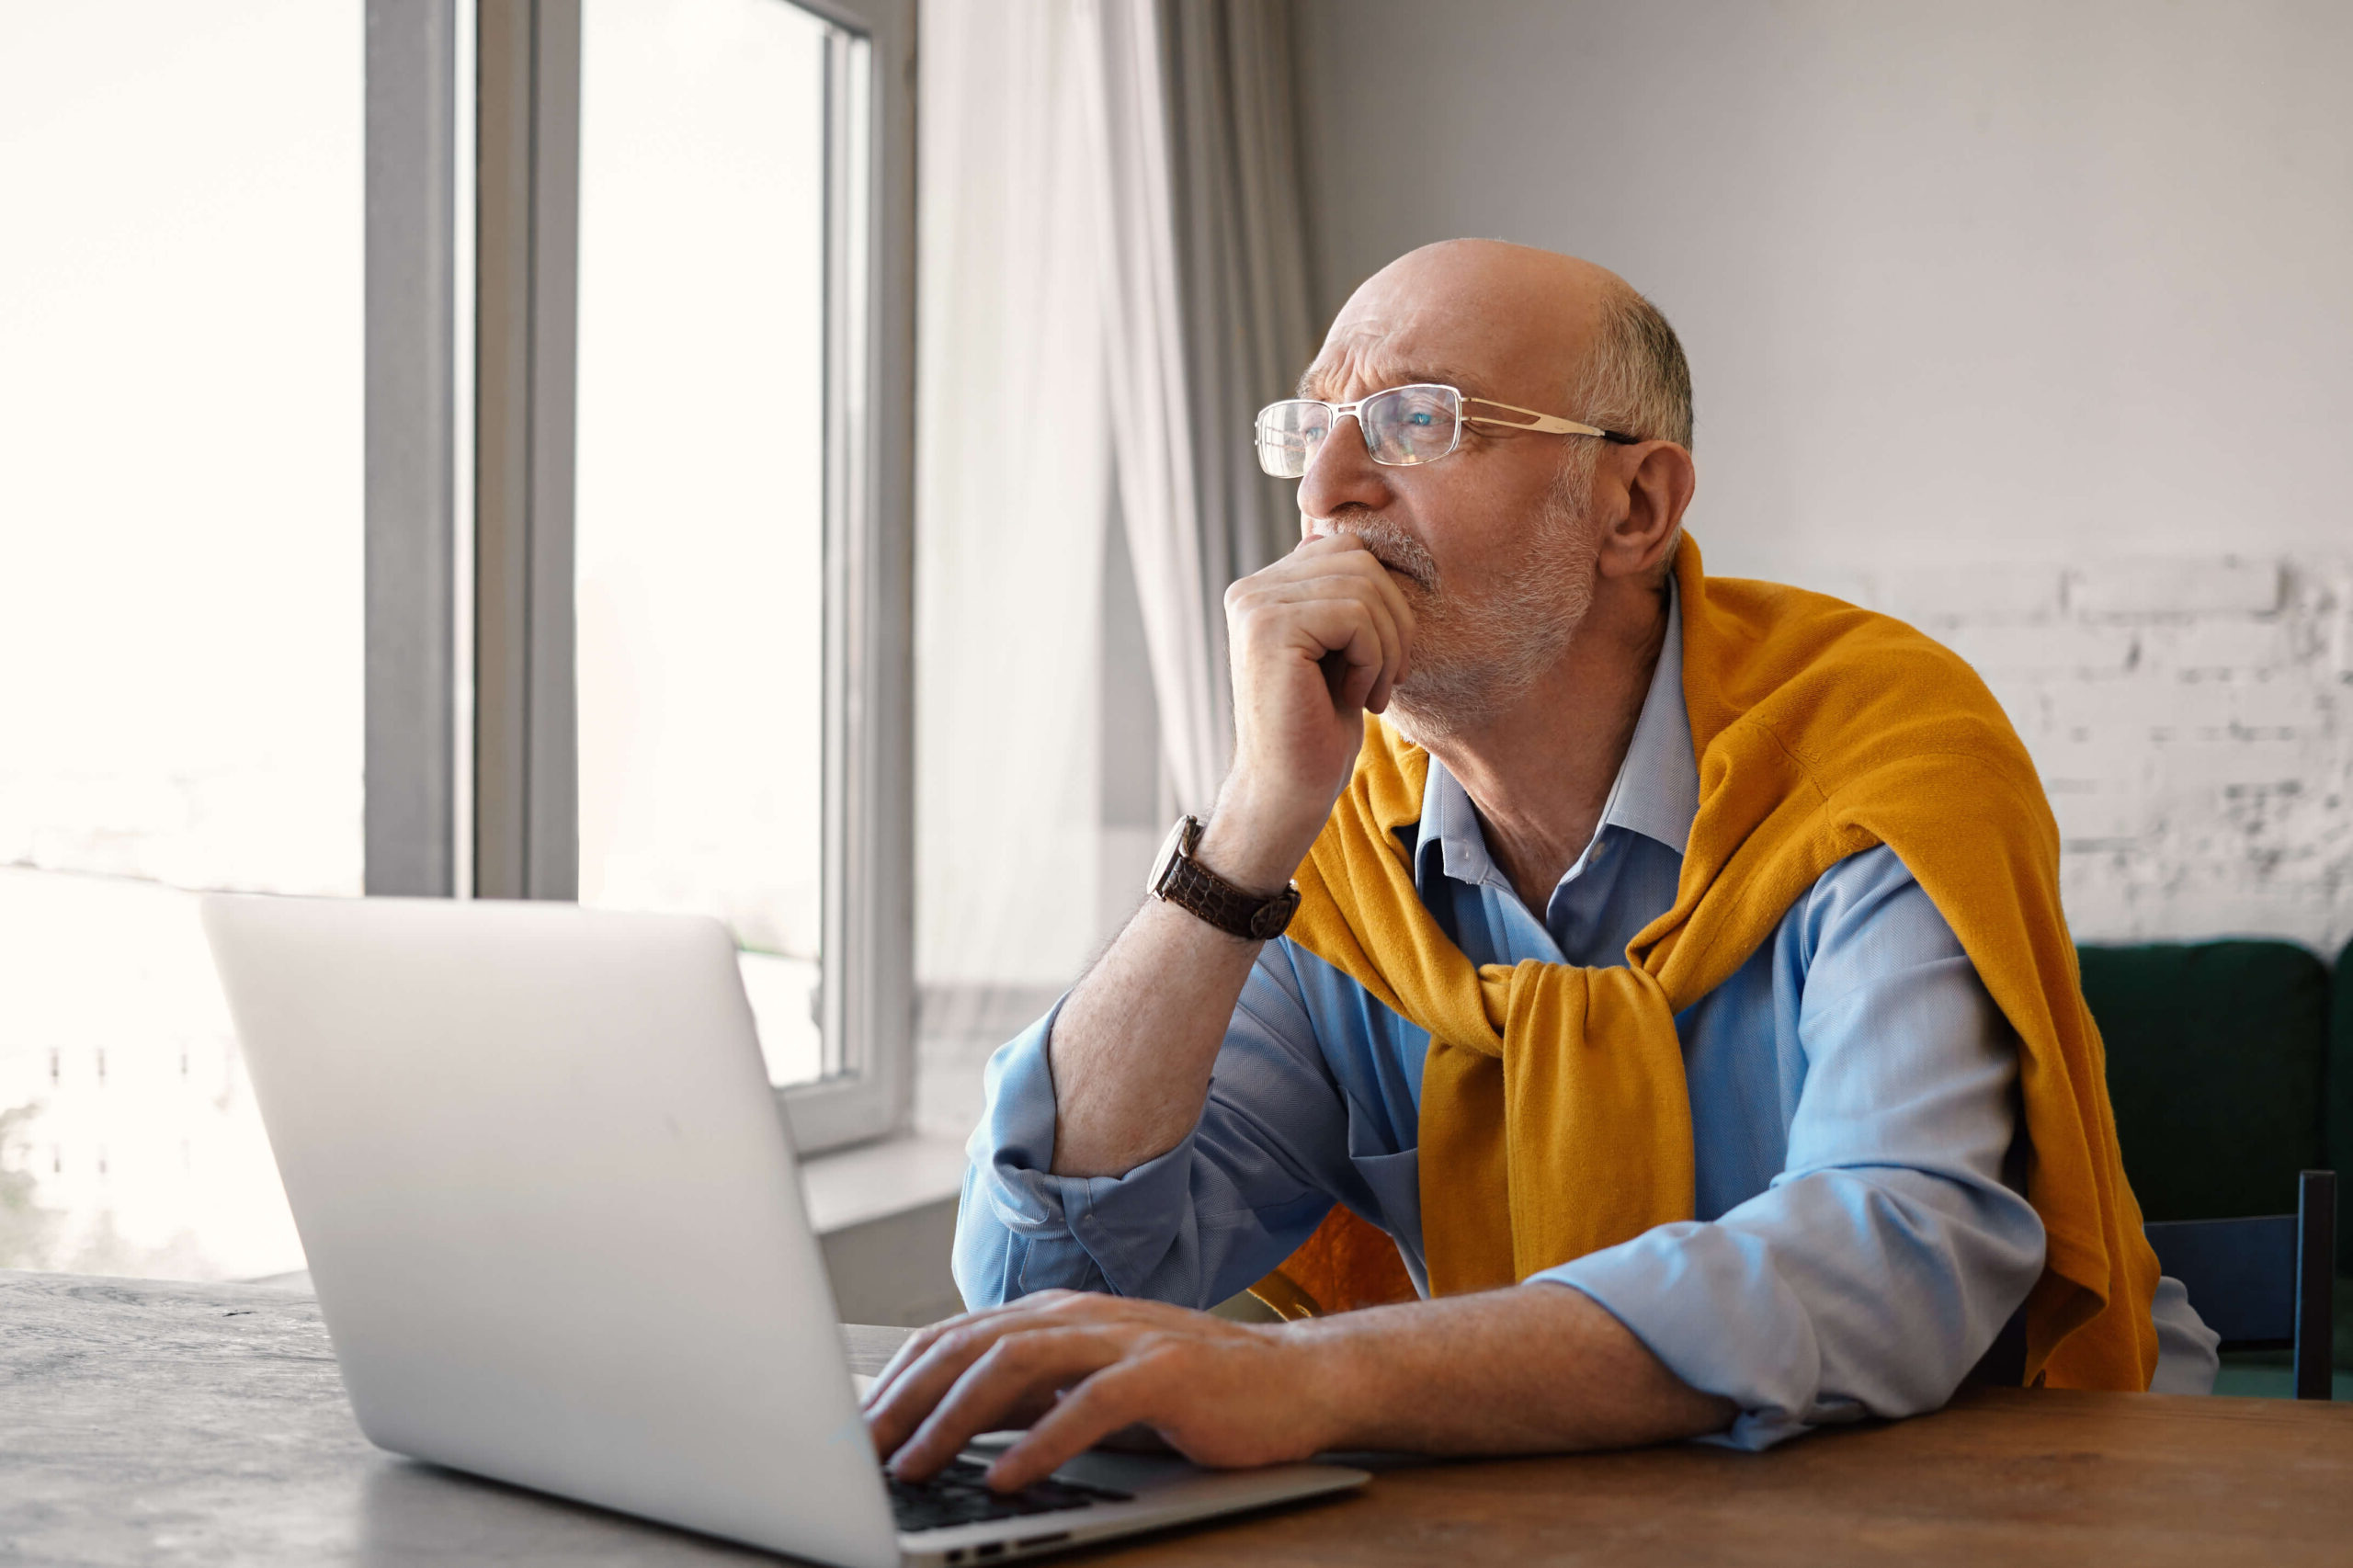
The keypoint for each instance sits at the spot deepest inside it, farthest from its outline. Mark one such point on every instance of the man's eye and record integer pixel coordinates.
(1419, 419)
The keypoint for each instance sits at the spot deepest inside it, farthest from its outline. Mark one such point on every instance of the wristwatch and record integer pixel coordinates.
(1178, 878)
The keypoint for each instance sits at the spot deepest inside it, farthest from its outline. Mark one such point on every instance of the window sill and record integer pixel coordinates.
(848, 1187)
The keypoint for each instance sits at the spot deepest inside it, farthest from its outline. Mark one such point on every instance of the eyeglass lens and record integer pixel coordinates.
(1401, 427)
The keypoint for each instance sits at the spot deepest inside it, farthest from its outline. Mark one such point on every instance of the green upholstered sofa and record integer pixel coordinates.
(2231, 1068)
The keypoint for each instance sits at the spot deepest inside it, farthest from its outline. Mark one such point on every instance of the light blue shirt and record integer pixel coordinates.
(1861, 1235)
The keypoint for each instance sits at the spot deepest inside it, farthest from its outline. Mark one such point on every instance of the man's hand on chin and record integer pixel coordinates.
(1075, 1367)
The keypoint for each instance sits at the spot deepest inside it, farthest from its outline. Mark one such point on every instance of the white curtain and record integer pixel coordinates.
(1248, 328)
(1012, 481)
(1111, 281)
(1204, 283)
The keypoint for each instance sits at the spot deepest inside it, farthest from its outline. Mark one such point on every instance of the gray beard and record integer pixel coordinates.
(1474, 660)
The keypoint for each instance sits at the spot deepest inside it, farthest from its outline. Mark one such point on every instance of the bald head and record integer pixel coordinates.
(1497, 319)
(1522, 533)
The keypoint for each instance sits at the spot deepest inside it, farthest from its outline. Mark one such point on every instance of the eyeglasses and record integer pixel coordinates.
(1401, 427)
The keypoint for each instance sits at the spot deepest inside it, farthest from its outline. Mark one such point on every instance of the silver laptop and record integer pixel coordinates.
(555, 1224)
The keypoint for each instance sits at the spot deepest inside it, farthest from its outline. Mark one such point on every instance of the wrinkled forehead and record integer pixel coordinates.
(1347, 372)
(1490, 342)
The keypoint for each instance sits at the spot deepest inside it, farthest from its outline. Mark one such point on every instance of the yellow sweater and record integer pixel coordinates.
(1554, 1116)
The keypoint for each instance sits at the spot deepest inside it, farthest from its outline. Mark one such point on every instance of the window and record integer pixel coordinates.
(355, 551)
(739, 570)
(181, 656)
(686, 613)
(690, 432)
(691, 440)
(699, 544)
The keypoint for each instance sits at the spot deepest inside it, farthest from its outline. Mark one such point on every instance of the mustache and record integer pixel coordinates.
(1395, 548)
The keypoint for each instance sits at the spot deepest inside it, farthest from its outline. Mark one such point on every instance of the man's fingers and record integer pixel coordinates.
(1349, 629)
(1381, 600)
(1076, 1371)
(1116, 1396)
(919, 1343)
(894, 1413)
(1401, 610)
(1275, 597)
(1341, 553)
(1326, 544)
(909, 1350)
(1017, 1375)
(1349, 558)
(920, 1377)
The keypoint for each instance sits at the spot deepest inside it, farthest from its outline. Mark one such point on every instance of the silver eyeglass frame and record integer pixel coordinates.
(1540, 424)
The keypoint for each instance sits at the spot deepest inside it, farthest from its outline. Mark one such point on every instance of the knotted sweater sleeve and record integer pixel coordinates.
(1876, 1268)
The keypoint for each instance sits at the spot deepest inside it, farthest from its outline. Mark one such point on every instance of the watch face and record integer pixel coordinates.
(1167, 856)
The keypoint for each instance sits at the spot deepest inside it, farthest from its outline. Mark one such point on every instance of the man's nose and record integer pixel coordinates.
(1342, 472)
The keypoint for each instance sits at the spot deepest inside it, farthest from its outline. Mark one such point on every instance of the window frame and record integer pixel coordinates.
(517, 807)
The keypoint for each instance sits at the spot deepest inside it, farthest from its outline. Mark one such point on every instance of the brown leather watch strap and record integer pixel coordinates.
(1183, 881)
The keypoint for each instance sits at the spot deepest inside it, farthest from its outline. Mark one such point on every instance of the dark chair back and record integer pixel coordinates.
(2265, 1283)
(2340, 1091)
(2217, 1069)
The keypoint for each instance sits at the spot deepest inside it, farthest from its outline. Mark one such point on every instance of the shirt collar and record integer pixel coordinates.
(1657, 792)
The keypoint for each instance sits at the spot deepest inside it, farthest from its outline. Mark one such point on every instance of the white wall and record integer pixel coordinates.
(2029, 322)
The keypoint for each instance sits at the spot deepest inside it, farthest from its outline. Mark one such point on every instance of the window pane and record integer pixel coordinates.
(701, 501)
(181, 655)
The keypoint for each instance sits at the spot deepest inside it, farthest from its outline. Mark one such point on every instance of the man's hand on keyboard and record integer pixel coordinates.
(1075, 1367)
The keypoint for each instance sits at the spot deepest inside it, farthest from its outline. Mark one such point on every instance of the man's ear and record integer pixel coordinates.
(1659, 480)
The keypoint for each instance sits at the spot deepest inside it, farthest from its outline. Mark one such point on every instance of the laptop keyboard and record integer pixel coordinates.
(958, 1496)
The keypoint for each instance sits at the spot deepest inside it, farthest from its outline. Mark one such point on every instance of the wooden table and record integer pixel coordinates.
(153, 1423)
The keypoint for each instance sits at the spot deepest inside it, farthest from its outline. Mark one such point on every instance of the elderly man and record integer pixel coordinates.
(1675, 974)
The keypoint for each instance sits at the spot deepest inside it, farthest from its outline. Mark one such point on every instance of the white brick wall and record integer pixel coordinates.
(2193, 720)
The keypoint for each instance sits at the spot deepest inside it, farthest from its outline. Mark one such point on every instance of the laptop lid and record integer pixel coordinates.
(551, 1208)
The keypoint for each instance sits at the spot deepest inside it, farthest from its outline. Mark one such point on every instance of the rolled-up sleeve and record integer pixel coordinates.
(1195, 1225)
(1878, 1266)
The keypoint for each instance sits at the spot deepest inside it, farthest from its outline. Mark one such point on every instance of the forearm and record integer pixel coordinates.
(1533, 1369)
(1132, 1047)
(1528, 1369)
(1316, 638)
